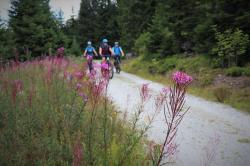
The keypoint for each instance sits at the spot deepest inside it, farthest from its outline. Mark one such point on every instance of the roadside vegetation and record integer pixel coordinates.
(52, 112)
(226, 85)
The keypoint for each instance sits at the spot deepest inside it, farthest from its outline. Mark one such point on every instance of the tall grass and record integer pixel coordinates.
(54, 113)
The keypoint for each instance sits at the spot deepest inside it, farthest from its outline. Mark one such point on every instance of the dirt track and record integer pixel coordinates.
(204, 122)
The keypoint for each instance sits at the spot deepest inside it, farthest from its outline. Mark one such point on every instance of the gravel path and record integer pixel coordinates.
(199, 129)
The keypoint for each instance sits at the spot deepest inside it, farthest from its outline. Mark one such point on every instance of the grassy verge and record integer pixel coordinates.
(204, 85)
(53, 113)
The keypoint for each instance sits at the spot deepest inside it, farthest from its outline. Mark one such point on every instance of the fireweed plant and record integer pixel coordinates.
(52, 112)
(172, 101)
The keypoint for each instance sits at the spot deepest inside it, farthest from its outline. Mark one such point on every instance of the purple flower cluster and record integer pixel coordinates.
(181, 78)
(105, 66)
(79, 75)
(60, 50)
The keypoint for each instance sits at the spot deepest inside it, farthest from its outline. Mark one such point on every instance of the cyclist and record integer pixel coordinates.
(105, 50)
(118, 52)
(60, 51)
(89, 53)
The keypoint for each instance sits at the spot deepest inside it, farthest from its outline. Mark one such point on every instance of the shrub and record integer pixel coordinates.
(193, 64)
(205, 78)
(235, 71)
(167, 64)
(246, 71)
(222, 93)
(231, 46)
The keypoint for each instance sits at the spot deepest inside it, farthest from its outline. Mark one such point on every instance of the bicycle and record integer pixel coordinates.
(107, 68)
(90, 62)
(117, 64)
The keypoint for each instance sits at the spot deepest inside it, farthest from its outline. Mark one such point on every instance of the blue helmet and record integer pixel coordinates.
(89, 43)
(105, 40)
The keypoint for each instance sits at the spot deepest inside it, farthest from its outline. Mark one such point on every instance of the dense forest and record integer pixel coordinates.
(153, 29)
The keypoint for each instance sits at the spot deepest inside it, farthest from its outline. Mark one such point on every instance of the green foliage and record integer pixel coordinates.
(75, 49)
(234, 71)
(231, 46)
(246, 71)
(142, 43)
(44, 119)
(195, 64)
(6, 43)
(97, 20)
(134, 17)
(187, 27)
(238, 71)
(33, 25)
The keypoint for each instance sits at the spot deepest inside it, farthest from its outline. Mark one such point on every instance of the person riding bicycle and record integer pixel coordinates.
(118, 52)
(60, 51)
(105, 50)
(89, 53)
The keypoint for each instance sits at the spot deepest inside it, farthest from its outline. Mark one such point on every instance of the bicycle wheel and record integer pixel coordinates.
(118, 68)
(111, 71)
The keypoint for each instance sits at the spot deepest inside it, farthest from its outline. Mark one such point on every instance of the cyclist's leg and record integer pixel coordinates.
(119, 59)
(90, 62)
(115, 58)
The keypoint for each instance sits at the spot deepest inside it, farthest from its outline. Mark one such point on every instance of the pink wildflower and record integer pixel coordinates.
(17, 86)
(105, 66)
(49, 74)
(78, 86)
(181, 78)
(79, 75)
(77, 154)
(84, 96)
(92, 74)
(165, 90)
(98, 89)
(97, 65)
(31, 95)
(171, 149)
(145, 92)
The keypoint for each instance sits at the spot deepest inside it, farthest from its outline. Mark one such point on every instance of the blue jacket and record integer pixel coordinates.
(90, 50)
(117, 50)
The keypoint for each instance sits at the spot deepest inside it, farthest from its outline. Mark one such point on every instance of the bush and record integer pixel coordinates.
(205, 78)
(167, 64)
(238, 71)
(222, 93)
(235, 71)
(231, 47)
(193, 64)
(246, 71)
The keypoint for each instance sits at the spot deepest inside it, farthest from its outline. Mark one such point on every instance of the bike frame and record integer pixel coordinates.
(90, 62)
